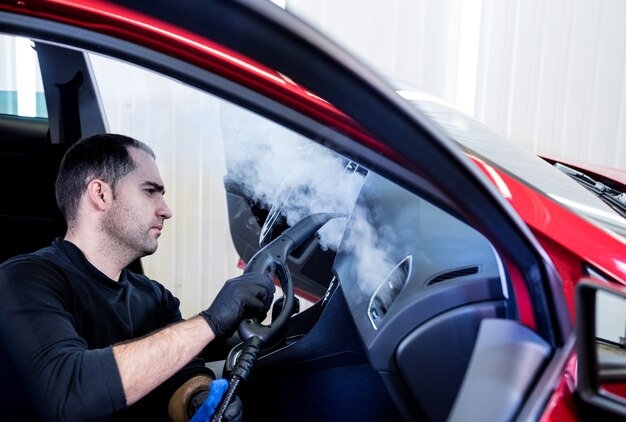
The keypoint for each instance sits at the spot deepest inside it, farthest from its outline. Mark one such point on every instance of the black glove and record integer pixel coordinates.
(246, 296)
(233, 413)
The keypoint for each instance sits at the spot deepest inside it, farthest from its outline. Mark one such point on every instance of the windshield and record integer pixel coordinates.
(517, 161)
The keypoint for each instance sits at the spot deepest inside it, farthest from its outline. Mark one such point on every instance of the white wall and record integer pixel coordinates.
(611, 317)
(20, 76)
(7, 67)
(196, 253)
(549, 74)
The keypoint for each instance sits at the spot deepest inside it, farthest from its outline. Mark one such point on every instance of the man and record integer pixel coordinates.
(101, 341)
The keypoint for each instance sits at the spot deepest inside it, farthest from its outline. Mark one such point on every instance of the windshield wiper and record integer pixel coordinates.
(613, 197)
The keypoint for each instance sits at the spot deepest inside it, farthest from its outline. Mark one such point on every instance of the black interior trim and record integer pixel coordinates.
(321, 366)
(73, 103)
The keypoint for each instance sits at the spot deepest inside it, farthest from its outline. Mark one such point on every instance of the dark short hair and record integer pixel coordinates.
(103, 156)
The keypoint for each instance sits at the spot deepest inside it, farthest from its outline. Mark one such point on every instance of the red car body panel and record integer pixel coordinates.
(561, 406)
(551, 223)
(524, 304)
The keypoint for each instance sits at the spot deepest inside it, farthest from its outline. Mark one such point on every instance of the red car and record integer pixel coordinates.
(446, 284)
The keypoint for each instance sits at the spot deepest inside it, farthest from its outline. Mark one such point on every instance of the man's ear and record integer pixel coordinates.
(99, 194)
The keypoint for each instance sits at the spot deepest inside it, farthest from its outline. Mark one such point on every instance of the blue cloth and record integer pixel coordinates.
(217, 389)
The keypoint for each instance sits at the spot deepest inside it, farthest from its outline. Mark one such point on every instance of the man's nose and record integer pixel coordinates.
(165, 211)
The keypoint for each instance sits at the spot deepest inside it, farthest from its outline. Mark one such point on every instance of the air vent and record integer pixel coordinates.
(388, 290)
(453, 274)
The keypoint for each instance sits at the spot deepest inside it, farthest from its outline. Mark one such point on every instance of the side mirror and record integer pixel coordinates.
(601, 345)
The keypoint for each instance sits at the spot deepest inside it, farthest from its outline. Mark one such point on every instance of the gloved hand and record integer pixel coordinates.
(246, 296)
(233, 413)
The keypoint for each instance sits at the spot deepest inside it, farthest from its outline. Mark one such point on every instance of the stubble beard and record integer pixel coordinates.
(128, 238)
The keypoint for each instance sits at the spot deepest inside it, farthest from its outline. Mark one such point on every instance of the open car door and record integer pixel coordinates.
(429, 201)
(430, 281)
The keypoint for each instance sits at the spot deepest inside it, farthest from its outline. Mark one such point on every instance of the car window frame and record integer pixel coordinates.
(398, 122)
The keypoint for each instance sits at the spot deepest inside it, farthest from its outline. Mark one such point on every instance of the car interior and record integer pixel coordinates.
(416, 325)
(410, 304)
(34, 220)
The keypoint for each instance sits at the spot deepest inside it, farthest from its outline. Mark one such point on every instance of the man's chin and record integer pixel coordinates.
(150, 251)
(150, 248)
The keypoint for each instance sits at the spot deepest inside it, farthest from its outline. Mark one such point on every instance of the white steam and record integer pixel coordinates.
(276, 167)
(371, 245)
(279, 168)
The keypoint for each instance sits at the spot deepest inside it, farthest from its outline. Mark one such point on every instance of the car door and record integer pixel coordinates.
(407, 149)
(368, 124)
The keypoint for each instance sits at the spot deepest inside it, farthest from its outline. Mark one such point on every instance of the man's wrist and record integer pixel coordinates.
(213, 323)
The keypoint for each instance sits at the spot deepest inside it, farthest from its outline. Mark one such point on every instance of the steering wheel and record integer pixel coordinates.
(273, 259)
(270, 259)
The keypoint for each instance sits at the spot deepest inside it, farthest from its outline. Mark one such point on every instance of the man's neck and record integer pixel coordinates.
(98, 253)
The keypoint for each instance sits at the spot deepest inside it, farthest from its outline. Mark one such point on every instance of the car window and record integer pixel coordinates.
(235, 179)
(21, 88)
(203, 143)
(180, 123)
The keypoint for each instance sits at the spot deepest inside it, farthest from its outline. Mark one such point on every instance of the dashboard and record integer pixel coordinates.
(403, 261)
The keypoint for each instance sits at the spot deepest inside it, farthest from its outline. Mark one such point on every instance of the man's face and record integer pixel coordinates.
(135, 219)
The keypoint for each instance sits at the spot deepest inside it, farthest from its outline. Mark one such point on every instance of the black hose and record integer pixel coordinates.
(241, 372)
(273, 255)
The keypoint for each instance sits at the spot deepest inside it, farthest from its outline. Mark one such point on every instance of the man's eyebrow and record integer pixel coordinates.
(155, 186)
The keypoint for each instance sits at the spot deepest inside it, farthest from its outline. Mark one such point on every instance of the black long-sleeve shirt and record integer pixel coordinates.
(66, 315)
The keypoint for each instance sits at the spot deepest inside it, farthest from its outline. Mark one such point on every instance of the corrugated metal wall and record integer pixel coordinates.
(550, 75)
